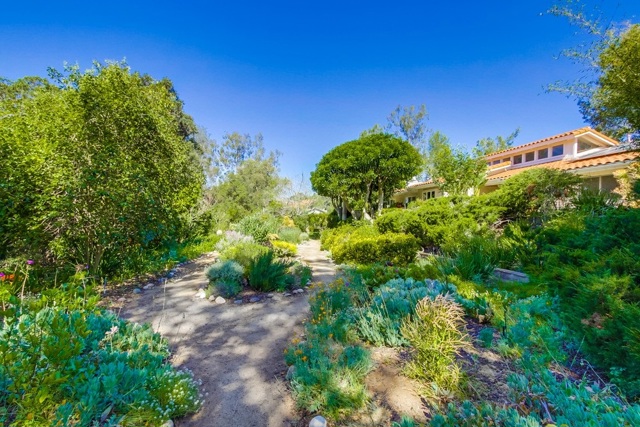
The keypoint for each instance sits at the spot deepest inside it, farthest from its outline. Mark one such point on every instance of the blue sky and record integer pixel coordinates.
(310, 75)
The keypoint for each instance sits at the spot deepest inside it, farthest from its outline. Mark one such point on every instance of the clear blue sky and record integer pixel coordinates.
(311, 75)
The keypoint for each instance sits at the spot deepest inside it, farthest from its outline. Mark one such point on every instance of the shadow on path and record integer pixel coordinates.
(235, 350)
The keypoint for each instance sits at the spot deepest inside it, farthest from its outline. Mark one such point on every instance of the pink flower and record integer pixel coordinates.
(1, 275)
(29, 262)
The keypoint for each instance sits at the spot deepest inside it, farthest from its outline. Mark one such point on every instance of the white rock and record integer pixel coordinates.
(254, 299)
(269, 295)
(298, 291)
(201, 294)
(238, 301)
(148, 286)
(287, 294)
(137, 291)
(219, 232)
(318, 421)
(168, 423)
(220, 300)
(122, 299)
(212, 298)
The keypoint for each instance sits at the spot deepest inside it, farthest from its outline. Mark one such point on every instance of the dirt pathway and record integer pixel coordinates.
(235, 349)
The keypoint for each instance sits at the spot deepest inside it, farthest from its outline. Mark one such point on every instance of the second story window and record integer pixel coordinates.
(584, 146)
(530, 157)
(517, 159)
(543, 154)
(558, 150)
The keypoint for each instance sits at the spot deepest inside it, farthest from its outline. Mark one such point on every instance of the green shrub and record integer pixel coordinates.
(395, 248)
(335, 236)
(290, 234)
(244, 253)
(224, 288)
(480, 255)
(379, 321)
(303, 237)
(284, 249)
(317, 223)
(376, 326)
(595, 202)
(533, 325)
(330, 299)
(226, 278)
(423, 269)
(535, 339)
(266, 273)
(301, 221)
(61, 366)
(225, 271)
(328, 369)
(403, 221)
(472, 258)
(592, 263)
(437, 332)
(437, 222)
(537, 194)
(258, 226)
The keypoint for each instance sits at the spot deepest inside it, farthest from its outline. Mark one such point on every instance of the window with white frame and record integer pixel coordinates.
(558, 150)
(543, 154)
(584, 146)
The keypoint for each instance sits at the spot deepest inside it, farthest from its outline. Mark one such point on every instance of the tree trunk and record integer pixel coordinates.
(343, 214)
(380, 198)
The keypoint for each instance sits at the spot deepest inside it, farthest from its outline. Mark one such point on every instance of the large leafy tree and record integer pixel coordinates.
(102, 165)
(454, 170)
(251, 187)
(360, 175)
(486, 146)
(614, 105)
(244, 178)
(409, 123)
(608, 91)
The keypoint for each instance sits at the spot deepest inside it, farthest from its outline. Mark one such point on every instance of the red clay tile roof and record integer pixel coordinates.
(572, 165)
(574, 132)
(413, 184)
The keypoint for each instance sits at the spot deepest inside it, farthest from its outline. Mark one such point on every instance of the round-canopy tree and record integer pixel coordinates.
(360, 174)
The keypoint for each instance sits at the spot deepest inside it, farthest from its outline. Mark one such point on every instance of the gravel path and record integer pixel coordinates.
(236, 350)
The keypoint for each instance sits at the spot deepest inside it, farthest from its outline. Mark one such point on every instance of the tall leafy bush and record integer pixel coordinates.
(258, 226)
(96, 165)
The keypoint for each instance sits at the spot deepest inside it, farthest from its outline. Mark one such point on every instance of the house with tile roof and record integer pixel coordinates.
(584, 151)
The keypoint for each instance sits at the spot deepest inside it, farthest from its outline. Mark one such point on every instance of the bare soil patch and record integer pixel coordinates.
(391, 389)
